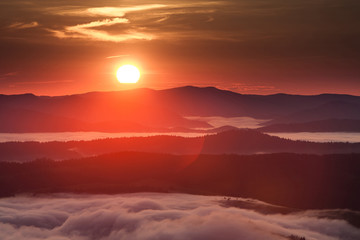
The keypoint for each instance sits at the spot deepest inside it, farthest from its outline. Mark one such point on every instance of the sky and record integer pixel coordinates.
(247, 46)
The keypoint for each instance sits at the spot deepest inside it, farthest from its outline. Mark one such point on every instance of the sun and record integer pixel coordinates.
(128, 74)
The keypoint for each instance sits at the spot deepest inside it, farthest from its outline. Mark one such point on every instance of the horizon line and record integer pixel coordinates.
(180, 87)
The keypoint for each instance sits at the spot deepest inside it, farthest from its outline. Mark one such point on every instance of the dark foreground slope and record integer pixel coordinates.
(237, 142)
(293, 180)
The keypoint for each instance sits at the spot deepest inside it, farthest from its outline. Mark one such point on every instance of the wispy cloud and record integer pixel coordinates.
(105, 22)
(86, 31)
(103, 11)
(151, 21)
(117, 56)
(8, 75)
(43, 82)
(20, 25)
(118, 11)
(210, 19)
(102, 35)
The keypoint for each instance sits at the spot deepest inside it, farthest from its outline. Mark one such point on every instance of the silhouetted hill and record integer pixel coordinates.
(191, 101)
(297, 181)
(329, 125)
(19, 120)
(166, 108)
(237, 142)
(24, 120)
(252, 141)
(330, 110)
(117, 112)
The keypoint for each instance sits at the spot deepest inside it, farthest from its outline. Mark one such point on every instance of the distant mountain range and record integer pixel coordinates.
(329, 110)
(227, 142)
(146, 109)
(329, 125)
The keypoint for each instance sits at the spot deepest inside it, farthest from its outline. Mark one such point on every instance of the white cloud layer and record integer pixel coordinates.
(156, 216)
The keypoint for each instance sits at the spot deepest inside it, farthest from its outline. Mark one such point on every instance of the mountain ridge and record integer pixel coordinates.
(298, 181)
(187, 87)
(227, 142)
(167, 108)
(329, 125)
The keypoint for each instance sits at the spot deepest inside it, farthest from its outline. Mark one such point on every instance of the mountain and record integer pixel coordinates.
(329, 110)
(329, 125)
(19, 120)
(24, 120)
(228, 142)
(149, 109)
(210, 101)
(293, 180)
(118, 112)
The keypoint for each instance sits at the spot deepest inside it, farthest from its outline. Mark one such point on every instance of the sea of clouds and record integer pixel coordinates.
(157, 216)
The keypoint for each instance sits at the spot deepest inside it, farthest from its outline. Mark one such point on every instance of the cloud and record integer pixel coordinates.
(20, 25)
(158, 216)
(102, 35)
(8, 75)
(121, 11)
(43, 82)
(105, 22)
(102, 11)
(146, 25)
(118, 56)
(85, 31)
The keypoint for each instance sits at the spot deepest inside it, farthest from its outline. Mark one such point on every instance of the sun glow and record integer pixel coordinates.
(128, 74)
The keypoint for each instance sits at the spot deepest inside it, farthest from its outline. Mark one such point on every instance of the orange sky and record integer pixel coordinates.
(247, 46)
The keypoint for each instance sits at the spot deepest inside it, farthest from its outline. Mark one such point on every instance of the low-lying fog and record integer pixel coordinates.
(161, 216)
(216, 122)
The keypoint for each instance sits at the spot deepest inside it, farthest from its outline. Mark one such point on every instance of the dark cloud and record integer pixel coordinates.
(158, 216)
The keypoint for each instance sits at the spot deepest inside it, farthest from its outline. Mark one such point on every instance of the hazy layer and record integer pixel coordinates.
(321, 136)
(215, 121)
(79, 136)
(239, 122)
(158, 216)
(88, 136)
